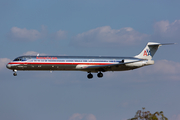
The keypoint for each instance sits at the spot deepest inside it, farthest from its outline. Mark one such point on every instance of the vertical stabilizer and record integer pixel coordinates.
(149, 51)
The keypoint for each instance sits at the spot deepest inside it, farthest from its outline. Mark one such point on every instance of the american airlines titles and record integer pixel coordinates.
(50, 58)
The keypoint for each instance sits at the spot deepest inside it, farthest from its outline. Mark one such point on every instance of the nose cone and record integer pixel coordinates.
(8, 66)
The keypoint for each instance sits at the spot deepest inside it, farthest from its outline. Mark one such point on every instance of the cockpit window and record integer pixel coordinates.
(20, 59)
(17, 59)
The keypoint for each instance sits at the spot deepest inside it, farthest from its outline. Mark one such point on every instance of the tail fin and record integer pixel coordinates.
(150, 49)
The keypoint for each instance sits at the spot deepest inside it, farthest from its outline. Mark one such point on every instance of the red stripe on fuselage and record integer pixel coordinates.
(56, 63)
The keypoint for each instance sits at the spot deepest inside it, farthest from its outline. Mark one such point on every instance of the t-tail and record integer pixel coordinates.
(150, 49)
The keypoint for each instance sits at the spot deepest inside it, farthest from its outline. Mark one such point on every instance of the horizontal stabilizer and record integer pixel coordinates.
(161, 44)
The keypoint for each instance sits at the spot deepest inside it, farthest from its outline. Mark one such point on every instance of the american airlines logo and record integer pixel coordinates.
(46, 58)
(147, 52)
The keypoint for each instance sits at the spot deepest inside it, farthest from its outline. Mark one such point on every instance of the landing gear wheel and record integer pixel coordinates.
(100, 75)
(15, 74)
(90, 76)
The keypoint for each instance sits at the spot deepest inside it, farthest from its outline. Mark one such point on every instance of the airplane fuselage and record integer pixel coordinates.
(68, 63)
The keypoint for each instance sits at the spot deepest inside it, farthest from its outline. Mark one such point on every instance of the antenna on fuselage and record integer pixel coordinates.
(38, 54)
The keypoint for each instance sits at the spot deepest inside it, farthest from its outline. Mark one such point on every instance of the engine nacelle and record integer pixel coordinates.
(150, 62)
(140, 63)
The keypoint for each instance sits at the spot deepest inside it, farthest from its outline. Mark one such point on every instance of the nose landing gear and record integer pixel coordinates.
(15, 74)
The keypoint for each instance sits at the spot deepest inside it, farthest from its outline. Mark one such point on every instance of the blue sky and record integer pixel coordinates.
(82, 27)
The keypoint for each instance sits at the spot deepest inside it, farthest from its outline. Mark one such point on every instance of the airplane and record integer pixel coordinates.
(89, 64)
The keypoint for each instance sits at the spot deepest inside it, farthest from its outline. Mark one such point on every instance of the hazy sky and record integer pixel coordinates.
(89, 27)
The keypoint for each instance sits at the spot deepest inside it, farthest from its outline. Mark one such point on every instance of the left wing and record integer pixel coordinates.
(104, 68)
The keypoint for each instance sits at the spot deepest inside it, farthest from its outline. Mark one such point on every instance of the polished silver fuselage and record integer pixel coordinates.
(70, 63)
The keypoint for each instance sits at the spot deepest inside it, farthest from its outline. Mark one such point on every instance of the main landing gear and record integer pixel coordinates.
(15, 74)
(99, 75)
(90, 75)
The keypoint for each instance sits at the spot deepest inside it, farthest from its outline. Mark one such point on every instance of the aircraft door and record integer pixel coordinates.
(24, 60)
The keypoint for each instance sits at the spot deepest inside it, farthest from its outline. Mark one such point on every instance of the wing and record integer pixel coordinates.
(103, 68)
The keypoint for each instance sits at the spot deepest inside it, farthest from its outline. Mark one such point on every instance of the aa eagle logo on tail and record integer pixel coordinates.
(147, 52)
